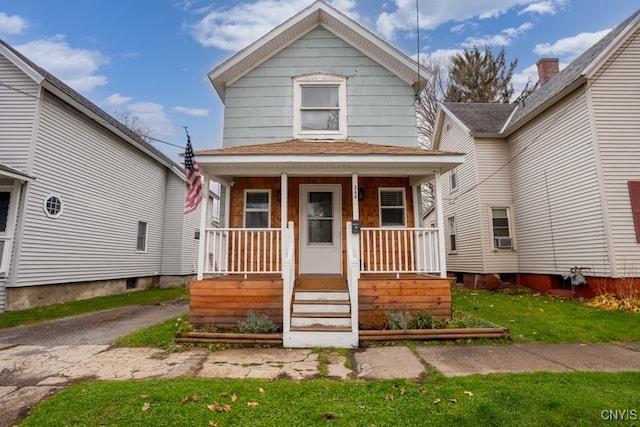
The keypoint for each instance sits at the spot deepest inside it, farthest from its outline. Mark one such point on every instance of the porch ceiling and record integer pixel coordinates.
(316, 158)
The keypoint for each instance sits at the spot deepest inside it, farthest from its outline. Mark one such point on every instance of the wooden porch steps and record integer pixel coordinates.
(321, 302)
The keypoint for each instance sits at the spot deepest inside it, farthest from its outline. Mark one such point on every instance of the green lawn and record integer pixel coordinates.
(541, 399)
(540, 318)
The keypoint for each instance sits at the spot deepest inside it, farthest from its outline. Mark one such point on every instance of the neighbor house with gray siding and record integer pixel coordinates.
(321, 173)
(550, 188)
(87, 208)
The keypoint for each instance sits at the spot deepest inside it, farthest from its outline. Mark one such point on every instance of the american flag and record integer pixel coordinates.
(194, 195)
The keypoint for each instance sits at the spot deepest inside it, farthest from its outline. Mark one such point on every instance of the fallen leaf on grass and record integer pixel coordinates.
(195, 397)
(213, 424)
(234, 398)
(541, 310)
(252, 404)
(261, 390)
(146, 406)
(403, 391)
(215, 406)
(436, 401)
(424, 392)
(184, 400)
(144, 396)
(454, 399)
(389, 397)
(468, 393)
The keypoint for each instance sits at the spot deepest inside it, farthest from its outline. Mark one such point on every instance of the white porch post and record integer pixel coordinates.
(204, 208)
(354, 196)
(284, 197)
(440, 220)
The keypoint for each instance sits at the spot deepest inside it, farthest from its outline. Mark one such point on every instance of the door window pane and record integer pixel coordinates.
(320, 217)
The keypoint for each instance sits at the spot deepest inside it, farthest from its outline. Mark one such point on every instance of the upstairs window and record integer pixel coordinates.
(501, 229)
(256, 209)
(320, 107)
(392, 207)
(453, 179)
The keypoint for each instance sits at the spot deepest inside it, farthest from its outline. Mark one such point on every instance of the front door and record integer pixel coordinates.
(320, 229)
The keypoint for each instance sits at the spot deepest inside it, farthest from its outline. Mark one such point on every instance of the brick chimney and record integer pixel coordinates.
(547, 68)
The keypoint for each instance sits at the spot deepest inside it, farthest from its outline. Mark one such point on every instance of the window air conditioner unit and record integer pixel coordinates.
(503, 242)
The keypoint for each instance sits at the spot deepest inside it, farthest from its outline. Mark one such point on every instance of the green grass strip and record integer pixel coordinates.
(540, 399)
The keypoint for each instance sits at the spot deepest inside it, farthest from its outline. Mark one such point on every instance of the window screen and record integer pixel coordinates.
(392, 208)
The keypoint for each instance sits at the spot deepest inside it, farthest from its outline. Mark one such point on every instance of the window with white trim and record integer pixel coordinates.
(320, 106)
(453, 179)
(392, 207)
(453, 238)
(141, 244)
(500, 228)
(52, 206)
(257, 204)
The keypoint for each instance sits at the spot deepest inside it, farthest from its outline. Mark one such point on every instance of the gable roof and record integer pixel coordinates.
(82, 104)
(480, 119)
(317, 14)
(575, 73)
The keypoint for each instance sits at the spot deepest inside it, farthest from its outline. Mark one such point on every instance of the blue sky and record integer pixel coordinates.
(151, 57)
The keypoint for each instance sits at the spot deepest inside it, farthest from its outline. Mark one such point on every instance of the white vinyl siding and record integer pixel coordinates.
(556, 192)
(614, 94)
(99, 178)
(259, 106)
(179, 247)
(494, 173)
(464, 203)
(18, 106)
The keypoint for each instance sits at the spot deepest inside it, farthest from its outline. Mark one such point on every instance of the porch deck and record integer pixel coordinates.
(225, 300)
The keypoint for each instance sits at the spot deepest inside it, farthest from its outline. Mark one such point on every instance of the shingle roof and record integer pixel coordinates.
(300, 147)
(108, 120)
(570, 73)
(481, 118)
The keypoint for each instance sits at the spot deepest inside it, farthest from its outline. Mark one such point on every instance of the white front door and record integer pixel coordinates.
(320, 229)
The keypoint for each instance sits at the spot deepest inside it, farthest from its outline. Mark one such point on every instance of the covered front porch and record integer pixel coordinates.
(314, 240)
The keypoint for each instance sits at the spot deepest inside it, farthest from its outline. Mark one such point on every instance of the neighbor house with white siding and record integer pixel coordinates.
(87, 208)
(321, 173)
(549, 192)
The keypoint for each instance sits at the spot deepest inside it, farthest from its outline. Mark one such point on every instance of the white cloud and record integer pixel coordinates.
(76, 67)
(117, 100)
(548, 7)
(152, 115)
(435, 13)
(194, 112)
(12, 25)
(570, 46)
(236, 27)
(503, 39)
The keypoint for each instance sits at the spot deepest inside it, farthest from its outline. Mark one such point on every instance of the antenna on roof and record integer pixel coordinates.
(418, 43)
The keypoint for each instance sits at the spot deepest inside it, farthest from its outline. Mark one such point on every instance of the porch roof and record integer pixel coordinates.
(316, 157)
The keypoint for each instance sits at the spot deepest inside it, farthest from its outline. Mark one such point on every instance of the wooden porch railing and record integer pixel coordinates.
(243, 251)
(399, 250)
